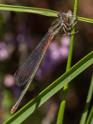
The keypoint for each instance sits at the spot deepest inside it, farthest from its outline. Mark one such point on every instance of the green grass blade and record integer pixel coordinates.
(63, 102)
(90, 117)
(25, 9)
(35, 10)
(72, 39)
(52, 89)
(83, 19)
(61, 112)
(88, 100)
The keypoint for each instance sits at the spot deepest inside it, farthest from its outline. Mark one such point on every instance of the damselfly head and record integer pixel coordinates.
(67, 18)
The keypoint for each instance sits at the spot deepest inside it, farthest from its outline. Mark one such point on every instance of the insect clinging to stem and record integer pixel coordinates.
(25, 74)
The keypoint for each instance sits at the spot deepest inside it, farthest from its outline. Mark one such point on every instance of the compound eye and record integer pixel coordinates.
(69, 13)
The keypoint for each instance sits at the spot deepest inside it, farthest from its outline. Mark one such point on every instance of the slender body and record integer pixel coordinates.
(25, 74)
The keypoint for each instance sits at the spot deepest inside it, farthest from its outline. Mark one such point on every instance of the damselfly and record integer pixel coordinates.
(25, 74)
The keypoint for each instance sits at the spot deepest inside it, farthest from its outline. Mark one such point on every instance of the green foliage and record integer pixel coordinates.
(52, 89)
(25, 9)
(86, 110)
(35, 10)
(90, 117)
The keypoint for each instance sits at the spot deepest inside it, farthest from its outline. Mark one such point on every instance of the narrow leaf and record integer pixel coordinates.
(52, 89)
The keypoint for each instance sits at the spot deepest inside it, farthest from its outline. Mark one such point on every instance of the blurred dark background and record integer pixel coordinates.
(19, 35)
